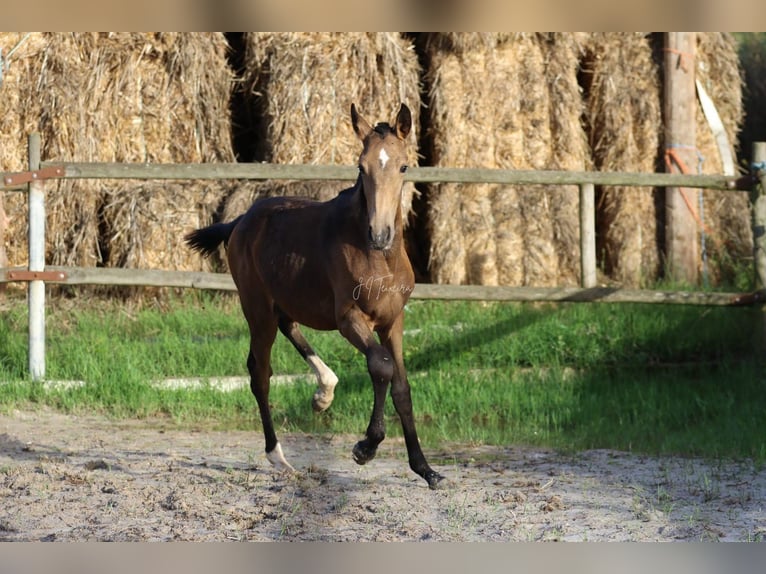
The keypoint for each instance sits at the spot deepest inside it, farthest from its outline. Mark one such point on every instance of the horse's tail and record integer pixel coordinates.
(207, 239)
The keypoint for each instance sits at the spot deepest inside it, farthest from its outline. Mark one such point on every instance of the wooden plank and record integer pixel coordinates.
(415, 174)
(575, 294)
(223, 281)
(715, 122)
(146, 277)
(551, 177)
(207, 171)
(681, 242)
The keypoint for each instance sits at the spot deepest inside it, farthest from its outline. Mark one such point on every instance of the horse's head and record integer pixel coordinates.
(382, 165)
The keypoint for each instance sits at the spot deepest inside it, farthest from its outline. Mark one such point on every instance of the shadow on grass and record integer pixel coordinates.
(465, 341)
(707, 411)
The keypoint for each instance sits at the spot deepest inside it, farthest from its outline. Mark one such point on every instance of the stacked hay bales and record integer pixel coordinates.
(573, 102)
(303, 85)
(623, 117)
(515, 101)
(508, 101)
(726, 215)
(116, 97)
(622, 80)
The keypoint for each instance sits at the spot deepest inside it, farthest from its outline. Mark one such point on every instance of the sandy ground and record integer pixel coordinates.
(85, 478)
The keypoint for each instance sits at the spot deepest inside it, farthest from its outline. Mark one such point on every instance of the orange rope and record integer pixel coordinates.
(681, 57)
(672, 157)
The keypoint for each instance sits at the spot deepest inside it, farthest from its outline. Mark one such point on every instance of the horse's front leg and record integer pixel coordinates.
(400, 393)
(355, 326)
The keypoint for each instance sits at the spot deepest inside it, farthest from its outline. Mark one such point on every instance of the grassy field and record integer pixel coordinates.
(642, 378)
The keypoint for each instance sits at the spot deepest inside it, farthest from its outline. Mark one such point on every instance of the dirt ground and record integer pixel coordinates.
(87, 478)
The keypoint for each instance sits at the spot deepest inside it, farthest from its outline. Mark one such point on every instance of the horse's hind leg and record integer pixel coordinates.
(326, 378)
(262, 334)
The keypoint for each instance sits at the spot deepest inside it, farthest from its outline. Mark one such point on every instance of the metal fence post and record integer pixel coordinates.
(36, 204)
(587, 236)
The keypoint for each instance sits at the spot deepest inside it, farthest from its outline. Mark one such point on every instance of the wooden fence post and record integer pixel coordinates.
(36, 263)
(759, 215)
(681, 243)
(3, 225)
(758, 199)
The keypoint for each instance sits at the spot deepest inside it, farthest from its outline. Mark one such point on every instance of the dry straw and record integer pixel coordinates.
(624, 118)
(726, 215)
(623, 94)
(303, 85)
(574, 102)
(116, 97)
(507, 101)
(518, 101)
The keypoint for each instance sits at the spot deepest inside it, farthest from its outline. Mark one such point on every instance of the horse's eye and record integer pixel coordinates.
(403, 169)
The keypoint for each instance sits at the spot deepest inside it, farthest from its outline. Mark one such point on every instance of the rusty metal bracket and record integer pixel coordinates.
(20, 177)
(36, 276)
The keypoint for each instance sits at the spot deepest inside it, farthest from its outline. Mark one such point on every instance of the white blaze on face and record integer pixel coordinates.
(383, 158)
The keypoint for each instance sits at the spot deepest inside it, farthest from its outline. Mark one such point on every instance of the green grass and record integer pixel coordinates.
(645, 378)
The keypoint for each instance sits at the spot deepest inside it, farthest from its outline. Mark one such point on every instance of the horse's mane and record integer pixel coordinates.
(383, 128)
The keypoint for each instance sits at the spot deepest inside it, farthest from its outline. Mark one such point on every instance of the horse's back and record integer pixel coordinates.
(275, 249)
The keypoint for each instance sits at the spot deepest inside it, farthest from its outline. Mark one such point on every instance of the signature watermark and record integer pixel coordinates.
(374, 287)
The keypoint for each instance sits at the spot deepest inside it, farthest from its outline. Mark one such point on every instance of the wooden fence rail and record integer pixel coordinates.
(38, 273)
(414, 174)
(223, 282)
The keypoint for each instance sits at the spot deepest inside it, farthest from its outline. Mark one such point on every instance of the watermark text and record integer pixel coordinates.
(374, 287)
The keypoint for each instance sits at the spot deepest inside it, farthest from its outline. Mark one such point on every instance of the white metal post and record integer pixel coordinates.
(587, 236)
(36, 263)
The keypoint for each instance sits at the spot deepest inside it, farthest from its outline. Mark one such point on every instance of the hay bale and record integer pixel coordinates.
(623, 117)
(505, 101)
(623, 94)
(726, 214)
(303, 84)
(118, 97)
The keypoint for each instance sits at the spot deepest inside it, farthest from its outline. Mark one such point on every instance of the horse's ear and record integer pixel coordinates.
(361, 127)
(403, 122)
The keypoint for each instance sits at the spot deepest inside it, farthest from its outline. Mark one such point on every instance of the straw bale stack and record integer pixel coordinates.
(507, 101)
(622, 84)
(623, 119)
(117, 97)
(726, 215)
(303, 85)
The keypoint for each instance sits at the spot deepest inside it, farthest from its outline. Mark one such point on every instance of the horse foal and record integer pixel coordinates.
(334, 265)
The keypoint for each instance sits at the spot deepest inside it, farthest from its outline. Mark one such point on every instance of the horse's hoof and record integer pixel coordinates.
(438, 482)
(278, 461)
(321, 402)
(362, 453)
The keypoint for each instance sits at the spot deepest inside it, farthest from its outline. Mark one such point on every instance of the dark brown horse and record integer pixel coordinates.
(339, 264)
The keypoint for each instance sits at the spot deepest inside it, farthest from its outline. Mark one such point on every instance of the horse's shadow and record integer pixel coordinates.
(13, 448)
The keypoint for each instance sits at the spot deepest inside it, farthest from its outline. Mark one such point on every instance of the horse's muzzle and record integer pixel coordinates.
(381, 241)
